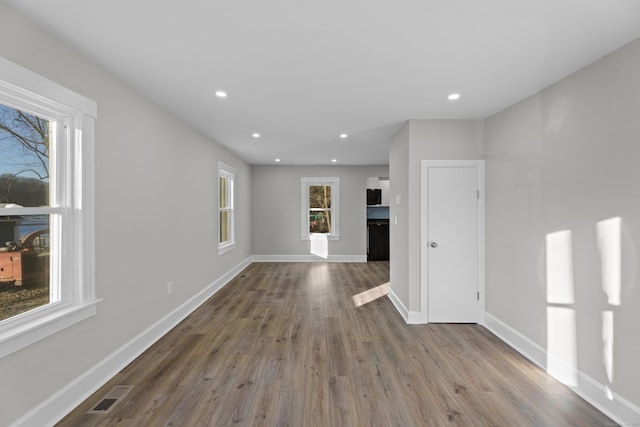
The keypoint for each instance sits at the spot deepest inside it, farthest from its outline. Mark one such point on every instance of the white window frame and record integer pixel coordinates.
(72, 212)
(228, 172)
(334, 183)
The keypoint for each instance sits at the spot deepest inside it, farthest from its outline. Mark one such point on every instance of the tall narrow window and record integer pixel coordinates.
(320, 203)
(26, 143)
(46, 207)
(226, 214)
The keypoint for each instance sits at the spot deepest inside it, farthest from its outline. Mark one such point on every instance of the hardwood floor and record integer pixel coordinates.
(284, 345)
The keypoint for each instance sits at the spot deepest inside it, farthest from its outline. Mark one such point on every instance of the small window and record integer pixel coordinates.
(226, 214)
(46, 208)
(320, 198)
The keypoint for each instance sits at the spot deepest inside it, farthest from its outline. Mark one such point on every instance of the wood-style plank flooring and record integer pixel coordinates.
(284, 345)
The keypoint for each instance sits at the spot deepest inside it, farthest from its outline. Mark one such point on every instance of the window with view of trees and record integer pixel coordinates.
(25, 143)
(320, 207)
(46, 207)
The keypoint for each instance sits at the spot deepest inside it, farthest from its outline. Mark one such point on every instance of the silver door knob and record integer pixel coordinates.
(433, 244)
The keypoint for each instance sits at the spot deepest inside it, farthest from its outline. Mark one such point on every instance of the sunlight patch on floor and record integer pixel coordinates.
(370, 295)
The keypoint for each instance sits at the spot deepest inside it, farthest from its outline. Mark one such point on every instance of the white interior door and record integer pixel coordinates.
(452, 244)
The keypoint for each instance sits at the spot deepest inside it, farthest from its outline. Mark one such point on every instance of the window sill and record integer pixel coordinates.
(33, 328)
(226, 248)
(320, 236)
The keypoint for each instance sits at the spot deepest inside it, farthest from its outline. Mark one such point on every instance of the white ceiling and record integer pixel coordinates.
(300, 73)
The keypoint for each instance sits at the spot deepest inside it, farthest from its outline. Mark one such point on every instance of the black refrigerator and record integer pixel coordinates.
(378, 239)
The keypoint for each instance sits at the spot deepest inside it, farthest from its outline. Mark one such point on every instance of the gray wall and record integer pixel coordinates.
(418, 140)
(562, 160)
(155, 215)
(399, 214)
(565, 160)
(277, 208)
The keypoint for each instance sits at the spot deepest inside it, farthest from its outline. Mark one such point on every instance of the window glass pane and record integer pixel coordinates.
(24, 158)
(224, 226)
(319, 196)
(24, 263)
(320, 222)
(224, 203)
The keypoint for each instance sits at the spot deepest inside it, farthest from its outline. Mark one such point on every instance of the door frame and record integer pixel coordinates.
(424, 231)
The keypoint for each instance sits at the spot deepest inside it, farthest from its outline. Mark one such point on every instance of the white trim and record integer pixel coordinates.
(223, 249)
(523, 345)
(310, 236)
(617, 408)
(309, 258)
(228, 172)
(54, 320)
(424, 231)
(73, 277)
(18, 79)
(73, 394)
(306, 182)
(410, 317)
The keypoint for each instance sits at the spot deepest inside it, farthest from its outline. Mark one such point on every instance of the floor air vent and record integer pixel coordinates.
(109, 401)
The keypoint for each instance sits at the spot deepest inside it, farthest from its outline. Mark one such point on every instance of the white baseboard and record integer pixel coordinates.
(64, 401)
(309, 258)
(410, 317)
(414, 318)
(613, 405)
(515, 339)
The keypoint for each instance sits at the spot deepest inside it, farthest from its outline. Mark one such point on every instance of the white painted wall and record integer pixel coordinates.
(155, 214)
(558, 165)
(277, 209)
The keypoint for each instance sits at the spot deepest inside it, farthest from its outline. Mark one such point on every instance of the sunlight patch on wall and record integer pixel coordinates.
(607, 346)
(609, 233)
(610, 247)
(319, 245)
(562, 346)
(560, 286)
(562, 349)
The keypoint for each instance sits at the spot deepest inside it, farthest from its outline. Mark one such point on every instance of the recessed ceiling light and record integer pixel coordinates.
(277, 160)
(334, 160)
(454, 96)
(221, 94)
(256, 135)
(343, 135)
